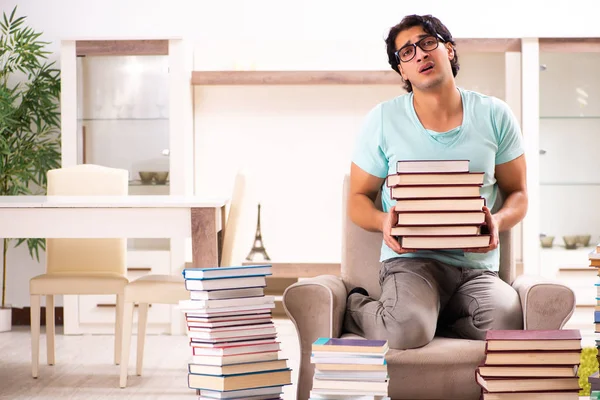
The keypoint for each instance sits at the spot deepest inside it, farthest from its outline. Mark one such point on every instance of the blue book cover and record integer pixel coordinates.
(227, 272)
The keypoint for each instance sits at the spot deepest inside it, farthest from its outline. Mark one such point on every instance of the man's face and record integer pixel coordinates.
(427, 69)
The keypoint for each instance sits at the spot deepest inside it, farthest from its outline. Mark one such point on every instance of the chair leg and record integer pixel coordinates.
(35, 334)
(118, 328)
(142, 322)
(126, 332)
(50, 331)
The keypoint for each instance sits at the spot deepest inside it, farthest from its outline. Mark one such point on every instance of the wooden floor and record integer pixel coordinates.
(84, 368)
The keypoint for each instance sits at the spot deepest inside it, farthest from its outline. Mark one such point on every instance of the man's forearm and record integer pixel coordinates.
(363, 213)
(513, 210)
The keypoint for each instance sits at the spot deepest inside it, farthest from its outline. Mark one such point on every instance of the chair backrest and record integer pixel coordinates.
(361, 250)
(233, 220)
(101, 256)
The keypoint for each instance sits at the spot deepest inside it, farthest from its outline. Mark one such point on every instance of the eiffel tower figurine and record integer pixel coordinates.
(258, 249)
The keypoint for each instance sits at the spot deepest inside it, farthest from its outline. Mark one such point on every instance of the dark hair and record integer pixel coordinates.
(431, 25)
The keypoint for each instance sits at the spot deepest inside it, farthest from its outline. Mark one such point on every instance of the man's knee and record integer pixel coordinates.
(411, 333)
(502, 314)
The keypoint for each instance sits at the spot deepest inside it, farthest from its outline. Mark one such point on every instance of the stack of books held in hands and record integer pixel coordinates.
(350, 369)
(232, 336)
(532, 365)
(439, 205)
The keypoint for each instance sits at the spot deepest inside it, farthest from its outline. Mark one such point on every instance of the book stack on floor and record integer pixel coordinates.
(594, 378)
(350, 369)
(532, 365)
(235, 352)
(594, 258)
(439, 205)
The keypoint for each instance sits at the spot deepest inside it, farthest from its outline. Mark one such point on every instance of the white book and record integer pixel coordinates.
(348, 360)
(233, 350)
(268, 331)
(226, 293)
(246, 301)
(192, 324)
(235, 359)
(228, 283)
(201, 312)
(236, 394)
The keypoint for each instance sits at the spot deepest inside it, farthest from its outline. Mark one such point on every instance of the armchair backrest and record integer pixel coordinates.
(361, 250)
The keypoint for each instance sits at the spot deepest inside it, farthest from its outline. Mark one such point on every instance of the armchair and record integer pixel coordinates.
(444, 368)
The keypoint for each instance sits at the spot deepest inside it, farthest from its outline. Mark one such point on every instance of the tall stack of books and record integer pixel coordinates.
(439, 205)
(232, 336)
(350, 369)
(594, 258)
(594, 378)
(532, 365)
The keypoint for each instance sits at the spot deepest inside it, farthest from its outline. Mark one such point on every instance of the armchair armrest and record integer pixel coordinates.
(316, 306)
(547, 304)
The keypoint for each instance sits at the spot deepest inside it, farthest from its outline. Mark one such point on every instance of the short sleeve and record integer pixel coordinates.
(508, 133)
(368, 151)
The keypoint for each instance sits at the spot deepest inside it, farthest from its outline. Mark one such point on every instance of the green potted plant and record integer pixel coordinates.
(29, 125)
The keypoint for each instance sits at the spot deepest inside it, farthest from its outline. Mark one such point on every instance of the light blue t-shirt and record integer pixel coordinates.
(489, 135)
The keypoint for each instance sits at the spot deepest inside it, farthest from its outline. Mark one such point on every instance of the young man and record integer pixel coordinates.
(456, 293)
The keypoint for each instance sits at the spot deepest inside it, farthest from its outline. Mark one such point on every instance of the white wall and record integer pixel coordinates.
(284, 35)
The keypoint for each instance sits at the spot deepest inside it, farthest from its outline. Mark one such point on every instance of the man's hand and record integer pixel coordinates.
(492, 227)
(390, 220)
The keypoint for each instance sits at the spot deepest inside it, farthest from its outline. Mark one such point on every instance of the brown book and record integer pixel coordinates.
(533, 371)
(558, 395)
(442, 230)
(444, 242)
(559, 357)
(432, 166)
(442, 204)
(238, 382)
(436, 191)
(441, 218)
(527, 384)
(439, 178)
(560, 339)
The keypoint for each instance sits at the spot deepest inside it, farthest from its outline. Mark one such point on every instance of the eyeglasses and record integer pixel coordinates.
(408, 52)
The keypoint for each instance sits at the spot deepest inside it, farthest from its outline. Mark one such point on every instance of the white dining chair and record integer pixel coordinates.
(80, 266)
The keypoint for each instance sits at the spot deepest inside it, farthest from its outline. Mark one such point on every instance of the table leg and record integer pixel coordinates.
(221, 234)
(205, 250)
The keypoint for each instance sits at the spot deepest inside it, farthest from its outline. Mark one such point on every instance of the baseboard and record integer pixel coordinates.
(22, 316)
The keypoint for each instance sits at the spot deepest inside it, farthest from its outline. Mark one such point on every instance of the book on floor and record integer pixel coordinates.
(350, 345)
(236, 369)
(242, 381)
(227, 272)
(527, 384)
(563, 339)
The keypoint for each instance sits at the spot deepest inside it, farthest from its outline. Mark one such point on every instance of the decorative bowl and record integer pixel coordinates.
(570, 242)
(161, 177)
(584, 240)
(546, 241)
(147, 176)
